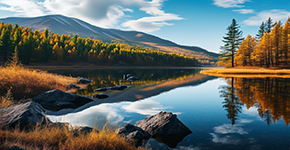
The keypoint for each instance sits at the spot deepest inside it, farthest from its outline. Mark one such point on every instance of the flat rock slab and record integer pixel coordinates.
(56, 100)
(25, 115)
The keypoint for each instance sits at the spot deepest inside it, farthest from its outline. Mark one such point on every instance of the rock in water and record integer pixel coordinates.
(17, 148)
(73, 86)
(101, 89)
(165, 127)
(133, 133)
(119, 87)
(85, 81)
(100, 96)
(56, 100)
(132, 78)
(26, 115)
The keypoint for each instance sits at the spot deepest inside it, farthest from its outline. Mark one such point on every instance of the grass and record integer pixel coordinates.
(61, 138)
(26, 82)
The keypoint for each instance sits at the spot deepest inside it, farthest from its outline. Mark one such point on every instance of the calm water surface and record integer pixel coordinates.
(232, 113)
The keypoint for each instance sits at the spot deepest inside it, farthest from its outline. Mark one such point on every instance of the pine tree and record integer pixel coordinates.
(232, 40)
(261, 31)
(269, 25)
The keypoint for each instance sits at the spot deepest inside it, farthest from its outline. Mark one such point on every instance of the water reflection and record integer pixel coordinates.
(270, 96)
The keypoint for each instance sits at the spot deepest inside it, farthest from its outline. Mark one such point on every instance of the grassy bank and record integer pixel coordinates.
(26, 82)
(49, 138)
(247, 72)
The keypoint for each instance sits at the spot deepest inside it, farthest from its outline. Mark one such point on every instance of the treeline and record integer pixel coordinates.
(37, 46)
(270, 48)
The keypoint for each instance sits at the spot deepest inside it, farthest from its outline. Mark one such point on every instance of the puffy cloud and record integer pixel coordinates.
(27, 8)
(229, 3)
(244, 11)
(103, 13)
(150, 24)
(275, 14)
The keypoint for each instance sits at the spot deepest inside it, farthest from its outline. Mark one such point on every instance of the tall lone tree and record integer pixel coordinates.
(232, 40)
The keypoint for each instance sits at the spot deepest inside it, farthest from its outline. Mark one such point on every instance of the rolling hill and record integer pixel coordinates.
(66, 25)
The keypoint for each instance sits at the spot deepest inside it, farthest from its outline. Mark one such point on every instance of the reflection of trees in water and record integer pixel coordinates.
(112, 77)
(270, 95)
(231, 104)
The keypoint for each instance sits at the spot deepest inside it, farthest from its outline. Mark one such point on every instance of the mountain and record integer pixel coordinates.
(66, 25)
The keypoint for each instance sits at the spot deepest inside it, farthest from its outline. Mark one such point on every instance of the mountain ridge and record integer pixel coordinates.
(67, 25)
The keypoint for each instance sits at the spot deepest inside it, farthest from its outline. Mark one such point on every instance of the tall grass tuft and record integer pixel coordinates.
(63, 139)
(26, 82)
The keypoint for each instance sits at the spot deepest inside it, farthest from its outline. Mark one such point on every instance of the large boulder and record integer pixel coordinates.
(24, 115)
(165, 127)
(133, 133)
(56, 100)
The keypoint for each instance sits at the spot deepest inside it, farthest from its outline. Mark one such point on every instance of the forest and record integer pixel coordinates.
(270, 47)
(42, 47)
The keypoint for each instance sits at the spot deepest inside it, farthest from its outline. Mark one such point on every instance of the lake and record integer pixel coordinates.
(223, 113)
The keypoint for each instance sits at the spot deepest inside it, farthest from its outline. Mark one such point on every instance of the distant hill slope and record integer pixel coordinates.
(66, 25)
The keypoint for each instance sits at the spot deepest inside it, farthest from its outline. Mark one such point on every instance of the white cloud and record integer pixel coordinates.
(27, 8)
(275, 14)
(150, 24)
(103, 13)
(244, 11)
(229, 3)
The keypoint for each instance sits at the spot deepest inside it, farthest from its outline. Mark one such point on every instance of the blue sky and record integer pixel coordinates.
(187, 22)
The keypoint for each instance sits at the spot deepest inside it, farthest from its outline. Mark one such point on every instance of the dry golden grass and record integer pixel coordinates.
(63, 139)
(30, 82)
(247, 72)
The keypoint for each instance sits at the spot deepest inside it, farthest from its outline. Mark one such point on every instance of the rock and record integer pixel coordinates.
(17, 148)
(73, 86)
(101, 89)
(26, 115)
(133, 133)
(100, 96)
(85, 81)
(165, 127)
(119, 87)
(82, 130)
(132, 78)
(56, 100)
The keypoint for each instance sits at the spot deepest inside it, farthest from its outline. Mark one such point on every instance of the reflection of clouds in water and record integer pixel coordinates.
(224, 139)
(228, 128)
(191, 147)
(222, 131)
(144, 107)
(251, 111)
(90, 116)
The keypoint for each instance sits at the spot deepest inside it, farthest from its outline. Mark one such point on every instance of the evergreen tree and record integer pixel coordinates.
(232, 40)
(269, 25)
(261, 31)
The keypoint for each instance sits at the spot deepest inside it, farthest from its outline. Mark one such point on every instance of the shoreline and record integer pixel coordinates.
(247, 72)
